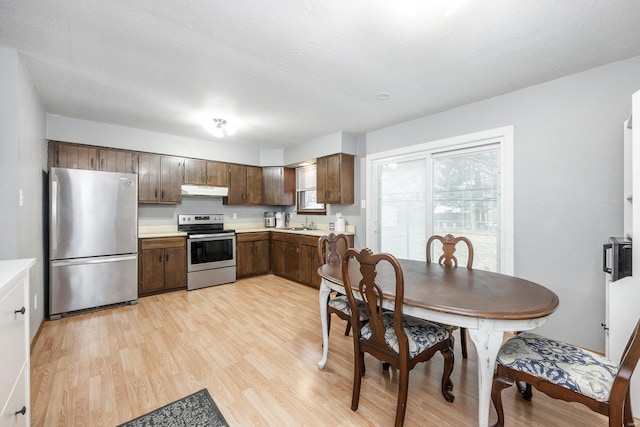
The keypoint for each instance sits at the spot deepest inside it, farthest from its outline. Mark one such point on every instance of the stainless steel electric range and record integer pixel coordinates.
(211, 250)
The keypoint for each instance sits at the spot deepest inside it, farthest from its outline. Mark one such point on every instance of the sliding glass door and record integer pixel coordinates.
(465, 201)
(453, 191)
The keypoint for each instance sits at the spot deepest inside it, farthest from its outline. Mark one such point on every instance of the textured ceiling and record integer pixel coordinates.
(291, 70)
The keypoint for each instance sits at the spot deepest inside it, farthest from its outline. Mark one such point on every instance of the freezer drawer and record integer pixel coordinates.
(84, 283)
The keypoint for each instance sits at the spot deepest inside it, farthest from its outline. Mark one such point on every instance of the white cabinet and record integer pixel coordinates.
(14, 334)
(622, 297)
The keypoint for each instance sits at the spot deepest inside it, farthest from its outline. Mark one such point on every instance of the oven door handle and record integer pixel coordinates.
(210, 236)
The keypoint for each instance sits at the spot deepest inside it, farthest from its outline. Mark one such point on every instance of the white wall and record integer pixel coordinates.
(22, 161)
(568, 189)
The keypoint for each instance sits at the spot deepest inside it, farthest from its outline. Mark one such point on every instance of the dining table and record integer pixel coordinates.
(487, 304)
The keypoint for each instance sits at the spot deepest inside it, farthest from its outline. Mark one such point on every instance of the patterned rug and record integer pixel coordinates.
(196, 410)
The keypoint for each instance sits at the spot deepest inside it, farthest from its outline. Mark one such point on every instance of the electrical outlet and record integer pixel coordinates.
(235, 215)
(35, 302)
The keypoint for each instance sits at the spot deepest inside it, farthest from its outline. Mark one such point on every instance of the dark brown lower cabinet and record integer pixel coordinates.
(162, 265)
(295, 256)
(252, 254)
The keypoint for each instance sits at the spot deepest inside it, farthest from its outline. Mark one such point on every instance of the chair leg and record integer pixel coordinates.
(628, 414)
(447, 385)
(403, 391)
(358, 357)
(525, 390)
(499, 383)
(463, 342)
(347, 329)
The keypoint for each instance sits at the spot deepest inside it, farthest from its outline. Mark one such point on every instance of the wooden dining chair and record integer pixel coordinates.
(329, 249)
(390, 336)
(570, 373)
(449, 259)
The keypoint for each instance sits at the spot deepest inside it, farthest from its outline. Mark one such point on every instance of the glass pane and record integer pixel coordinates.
(465, 203)
(307, 200)
(402, 192)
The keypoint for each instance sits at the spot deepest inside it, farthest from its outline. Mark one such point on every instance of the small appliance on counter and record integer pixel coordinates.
(279, 220)
(616, 257)
(269, 219)
(340, 225)
(287, 219)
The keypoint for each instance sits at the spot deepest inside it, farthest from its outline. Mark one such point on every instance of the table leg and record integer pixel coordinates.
(487, 342)
(322, 299)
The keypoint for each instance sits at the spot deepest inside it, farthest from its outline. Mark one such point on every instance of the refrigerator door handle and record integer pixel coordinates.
(97, 260)
(54, 214)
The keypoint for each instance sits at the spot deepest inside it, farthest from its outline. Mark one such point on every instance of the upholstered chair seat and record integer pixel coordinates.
(564, 371)
(565, 365)
(341, 303)
(422, 334)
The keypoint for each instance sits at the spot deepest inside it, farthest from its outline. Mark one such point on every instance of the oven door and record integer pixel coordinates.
(208, 251)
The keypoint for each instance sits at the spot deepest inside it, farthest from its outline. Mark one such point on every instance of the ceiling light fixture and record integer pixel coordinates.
(219, 128)
(382, 96)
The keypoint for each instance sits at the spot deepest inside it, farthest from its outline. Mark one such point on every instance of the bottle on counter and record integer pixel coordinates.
(340, 224)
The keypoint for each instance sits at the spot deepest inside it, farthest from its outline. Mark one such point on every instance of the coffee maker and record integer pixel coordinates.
(269, 219)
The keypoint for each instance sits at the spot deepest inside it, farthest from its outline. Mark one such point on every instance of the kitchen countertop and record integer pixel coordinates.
(155, 231)
(151, 231)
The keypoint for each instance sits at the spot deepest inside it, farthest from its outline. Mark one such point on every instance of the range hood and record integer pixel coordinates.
(204, 191)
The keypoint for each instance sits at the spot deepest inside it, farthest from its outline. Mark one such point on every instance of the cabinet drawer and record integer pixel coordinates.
(15, 402)
(12, 326)
(252, 237)
(163, 242)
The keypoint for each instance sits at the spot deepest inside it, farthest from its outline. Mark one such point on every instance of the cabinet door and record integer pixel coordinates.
(304, 264)
(175, 268)
(271, 178)
(261, 259)
(151, 270)
(74, 156)
(277, 257)
(111, 160)
(171, 178)
(333, 179)
(244, 258)
(321, 180)
(195, 172)
(290, 269)
(237, 184)
(148, 178)
(254, 185)
(315, 264)
(279, 186)
(218, 174)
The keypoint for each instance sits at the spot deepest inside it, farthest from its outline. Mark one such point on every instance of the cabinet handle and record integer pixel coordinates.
(21, 411)
(57, 161)
(604, 326)
(21, 311)
(166, 258)
(162, 194)
(92, 167)
(102, 164)
(156, 196)
(160, 258)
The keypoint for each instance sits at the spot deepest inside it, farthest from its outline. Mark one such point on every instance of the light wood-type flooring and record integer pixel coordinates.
(254, 345)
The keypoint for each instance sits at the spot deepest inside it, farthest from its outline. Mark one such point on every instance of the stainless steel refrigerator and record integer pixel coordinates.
(93, 239)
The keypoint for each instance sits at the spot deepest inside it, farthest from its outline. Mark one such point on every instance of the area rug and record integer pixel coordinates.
(196, 410)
